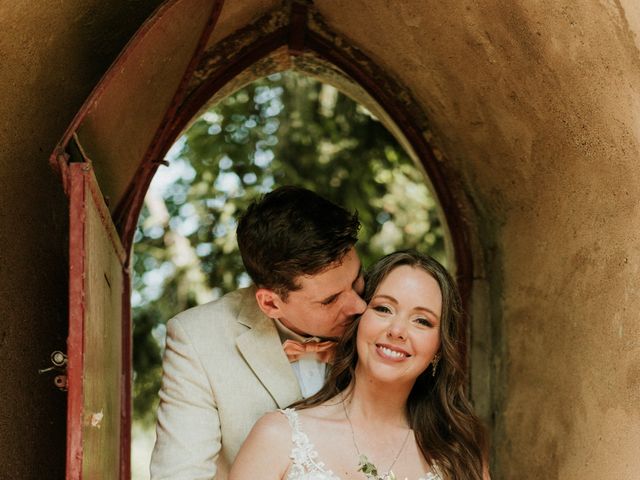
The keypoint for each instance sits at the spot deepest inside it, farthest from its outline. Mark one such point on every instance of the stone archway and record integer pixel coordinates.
(287, 36)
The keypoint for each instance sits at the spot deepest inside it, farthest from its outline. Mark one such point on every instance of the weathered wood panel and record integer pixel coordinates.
(95, 368)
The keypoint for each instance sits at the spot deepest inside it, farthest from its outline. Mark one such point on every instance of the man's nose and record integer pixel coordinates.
(357, 305)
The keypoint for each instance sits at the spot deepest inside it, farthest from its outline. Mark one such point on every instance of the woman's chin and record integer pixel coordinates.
(390, 375)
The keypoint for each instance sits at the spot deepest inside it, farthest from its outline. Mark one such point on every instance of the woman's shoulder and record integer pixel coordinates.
(273, 428)
(275, 423)
(273, 431)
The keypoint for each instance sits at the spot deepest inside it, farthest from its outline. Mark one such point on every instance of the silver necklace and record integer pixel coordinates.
(366, 467)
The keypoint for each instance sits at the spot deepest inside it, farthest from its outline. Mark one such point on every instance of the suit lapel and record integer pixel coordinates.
(261, 348)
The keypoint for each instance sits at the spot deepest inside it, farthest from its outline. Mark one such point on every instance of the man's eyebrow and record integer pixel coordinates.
(330, 298)
(333, 296)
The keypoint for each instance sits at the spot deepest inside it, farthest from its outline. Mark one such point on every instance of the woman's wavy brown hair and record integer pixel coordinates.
(447, 431)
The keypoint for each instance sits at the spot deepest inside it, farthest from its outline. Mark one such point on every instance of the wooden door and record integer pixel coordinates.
(98, 369)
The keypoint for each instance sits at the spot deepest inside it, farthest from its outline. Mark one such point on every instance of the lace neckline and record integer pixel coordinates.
(305, 463)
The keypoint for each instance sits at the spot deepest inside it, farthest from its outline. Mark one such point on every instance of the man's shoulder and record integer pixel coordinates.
(222, 311)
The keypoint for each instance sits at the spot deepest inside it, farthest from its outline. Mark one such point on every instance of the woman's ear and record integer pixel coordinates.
(269, 302)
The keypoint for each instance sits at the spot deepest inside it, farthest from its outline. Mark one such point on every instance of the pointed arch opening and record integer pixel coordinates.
(205, 67)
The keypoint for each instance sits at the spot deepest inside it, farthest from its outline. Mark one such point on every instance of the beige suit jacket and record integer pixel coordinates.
(223, 369)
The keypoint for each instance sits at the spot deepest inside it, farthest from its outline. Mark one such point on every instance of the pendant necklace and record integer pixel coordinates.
(369, 469)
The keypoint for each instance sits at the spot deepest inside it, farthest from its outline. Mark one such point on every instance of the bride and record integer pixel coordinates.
(394, 405)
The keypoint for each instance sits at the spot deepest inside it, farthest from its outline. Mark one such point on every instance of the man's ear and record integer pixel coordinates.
(269, 302)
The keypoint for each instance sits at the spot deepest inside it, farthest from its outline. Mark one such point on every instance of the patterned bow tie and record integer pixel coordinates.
(294, 350)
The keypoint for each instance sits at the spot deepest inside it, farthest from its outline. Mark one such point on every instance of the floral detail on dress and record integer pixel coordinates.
(431, 476)
(305, 465)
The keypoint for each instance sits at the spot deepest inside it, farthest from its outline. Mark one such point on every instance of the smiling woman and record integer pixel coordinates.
(399, 333)
(394, 396)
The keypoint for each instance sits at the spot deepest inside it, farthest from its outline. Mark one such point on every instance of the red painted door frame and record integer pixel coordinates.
(84, 193)
(97, 279)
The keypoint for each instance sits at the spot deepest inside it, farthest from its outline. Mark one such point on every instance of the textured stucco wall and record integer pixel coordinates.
(536, 105)
(51, 56)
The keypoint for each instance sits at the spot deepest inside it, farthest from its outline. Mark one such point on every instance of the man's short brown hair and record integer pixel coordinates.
(293, 231)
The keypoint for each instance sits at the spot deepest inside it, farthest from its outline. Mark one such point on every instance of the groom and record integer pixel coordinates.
(259, 348)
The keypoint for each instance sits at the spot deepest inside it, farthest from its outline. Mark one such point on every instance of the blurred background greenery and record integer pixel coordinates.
(283, 129)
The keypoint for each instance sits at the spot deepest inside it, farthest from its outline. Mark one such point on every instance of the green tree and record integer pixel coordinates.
(284, 129)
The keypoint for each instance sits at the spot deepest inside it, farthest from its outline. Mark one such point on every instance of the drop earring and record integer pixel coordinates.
(434, 364)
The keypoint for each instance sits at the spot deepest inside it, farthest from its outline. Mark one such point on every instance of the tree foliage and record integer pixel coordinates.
(284, 129)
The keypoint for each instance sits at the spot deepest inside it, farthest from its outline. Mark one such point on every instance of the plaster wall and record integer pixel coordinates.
(236, 15)
(51, 57)
(536, 107)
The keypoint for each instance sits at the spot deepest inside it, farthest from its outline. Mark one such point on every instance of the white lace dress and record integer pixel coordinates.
(305, 464)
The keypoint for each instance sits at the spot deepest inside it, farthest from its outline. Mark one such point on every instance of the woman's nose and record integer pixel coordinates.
(397, 328)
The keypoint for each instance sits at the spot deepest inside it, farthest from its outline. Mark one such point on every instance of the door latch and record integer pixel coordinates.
(58, 366)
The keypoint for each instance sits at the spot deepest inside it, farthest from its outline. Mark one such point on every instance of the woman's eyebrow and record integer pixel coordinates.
(428, 310)
(389, 297)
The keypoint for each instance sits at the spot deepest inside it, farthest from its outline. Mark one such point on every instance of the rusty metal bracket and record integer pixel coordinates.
(77, 153)
(61, 158)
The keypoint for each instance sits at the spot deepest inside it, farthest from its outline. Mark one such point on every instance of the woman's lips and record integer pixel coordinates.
(391, 352)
